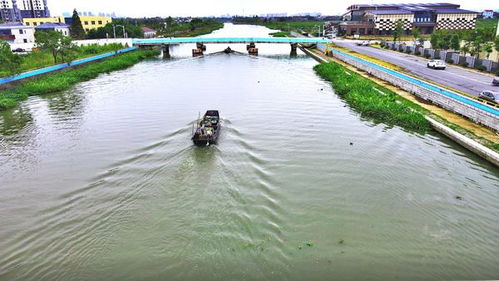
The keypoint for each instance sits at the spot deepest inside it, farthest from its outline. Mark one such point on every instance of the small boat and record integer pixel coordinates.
(228, 50)
(207, 129)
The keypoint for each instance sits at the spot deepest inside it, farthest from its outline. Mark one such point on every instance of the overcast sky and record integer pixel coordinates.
(149, 8)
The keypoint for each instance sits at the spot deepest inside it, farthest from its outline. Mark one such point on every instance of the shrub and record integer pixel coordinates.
(497, 73)
(464, 63)
(408, 51)
(418, 53)
(481, 68)
(437, 57)
(427, 56)
(364, 96)
(451, 61)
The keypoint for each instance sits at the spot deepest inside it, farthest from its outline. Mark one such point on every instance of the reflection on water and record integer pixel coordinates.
(102, 182)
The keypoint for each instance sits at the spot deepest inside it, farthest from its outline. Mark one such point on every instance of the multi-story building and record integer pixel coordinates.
(17, 33)
(9, 11)
(39, 21)
(381, 19)
(33, 8)
(91, 22)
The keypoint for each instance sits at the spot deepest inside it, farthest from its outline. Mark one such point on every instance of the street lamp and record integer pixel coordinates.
(114, 30)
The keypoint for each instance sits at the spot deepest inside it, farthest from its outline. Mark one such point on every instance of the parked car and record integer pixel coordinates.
(436, 64)
(490, 96)
(363, 43)
(495, 81)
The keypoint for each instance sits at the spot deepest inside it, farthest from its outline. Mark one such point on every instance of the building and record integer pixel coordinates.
(90, 22)
(17, 33)
(33, 8)
(39, 21)
(381, 19)
(9, 11)
(148, 32)
(60, 27)
(488, 14)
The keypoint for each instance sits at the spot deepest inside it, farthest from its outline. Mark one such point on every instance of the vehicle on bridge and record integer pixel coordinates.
(489, 96)
(436, 64)
(207, 129)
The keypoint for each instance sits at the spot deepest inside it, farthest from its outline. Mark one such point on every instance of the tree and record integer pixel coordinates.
(397, 33)
(455, 42)
(77, 31)
(68, 50)
(415, 34)
(488, 47)
(9, 61)
(496, 46)
(49, 41)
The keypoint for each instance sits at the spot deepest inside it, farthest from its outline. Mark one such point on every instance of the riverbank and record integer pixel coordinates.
(372, 100)
(478, 139)
(64, 80)
(40, 59)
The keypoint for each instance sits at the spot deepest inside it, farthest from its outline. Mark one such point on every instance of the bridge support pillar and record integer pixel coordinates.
(197, 52)
(166, 51)
(252, 49)
(201, 46)
(294, 46)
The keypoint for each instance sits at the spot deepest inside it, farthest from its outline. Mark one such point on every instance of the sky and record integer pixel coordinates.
(151, 8)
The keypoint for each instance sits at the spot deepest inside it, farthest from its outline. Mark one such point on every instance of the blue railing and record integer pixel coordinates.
(418, 82)
(45, 70)
(228, 40)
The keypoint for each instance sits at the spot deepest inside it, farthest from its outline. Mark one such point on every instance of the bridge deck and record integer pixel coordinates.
(206, 40)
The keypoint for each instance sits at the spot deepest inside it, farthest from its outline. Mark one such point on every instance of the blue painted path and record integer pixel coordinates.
(45, 70)
(418, 82)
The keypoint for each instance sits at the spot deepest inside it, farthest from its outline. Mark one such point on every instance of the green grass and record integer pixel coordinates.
(371, 100)
(41, 59)
(64, 80)
(308, 26)
(200, 31)
(281, 34)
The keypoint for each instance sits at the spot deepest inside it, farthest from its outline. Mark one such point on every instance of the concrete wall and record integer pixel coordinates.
(473, 113)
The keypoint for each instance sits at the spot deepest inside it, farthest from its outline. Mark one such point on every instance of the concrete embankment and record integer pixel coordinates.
(465, 141)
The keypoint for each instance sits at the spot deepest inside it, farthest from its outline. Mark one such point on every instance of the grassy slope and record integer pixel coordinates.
(41, 59)
(64, 80)
(371, 100)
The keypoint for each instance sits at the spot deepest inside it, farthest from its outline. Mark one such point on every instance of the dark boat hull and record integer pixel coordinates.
(200, 138)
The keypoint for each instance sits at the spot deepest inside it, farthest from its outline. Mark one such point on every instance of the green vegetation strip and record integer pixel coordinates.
(373, 101)
(64, 80)
(281, 34)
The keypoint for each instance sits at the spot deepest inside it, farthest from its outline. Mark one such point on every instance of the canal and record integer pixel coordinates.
(102, 182)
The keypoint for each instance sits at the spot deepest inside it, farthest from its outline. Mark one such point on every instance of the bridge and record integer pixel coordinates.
(201, 41)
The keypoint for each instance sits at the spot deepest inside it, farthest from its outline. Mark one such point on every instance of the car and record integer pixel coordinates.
(19, 50)
(363, 43)
(495, 81)
(490, 96)
(436, 64)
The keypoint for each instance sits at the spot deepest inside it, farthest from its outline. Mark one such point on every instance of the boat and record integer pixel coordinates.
(207, 129)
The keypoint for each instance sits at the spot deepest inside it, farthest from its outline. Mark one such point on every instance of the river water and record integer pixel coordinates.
(102, 182)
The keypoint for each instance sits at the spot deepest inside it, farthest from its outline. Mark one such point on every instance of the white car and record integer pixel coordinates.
(363, 43)
(436, 64)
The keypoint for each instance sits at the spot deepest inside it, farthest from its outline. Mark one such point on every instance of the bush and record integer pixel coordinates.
(427, 56)
(451, 61)
(418, 53)
(481, 68)
(464, 64)
(497, 73)
(408, 51)
(437, 57)
(364, 96)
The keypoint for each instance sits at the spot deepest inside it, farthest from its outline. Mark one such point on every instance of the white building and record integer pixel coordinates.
(55, 26)
(16, 33)
(33, 8)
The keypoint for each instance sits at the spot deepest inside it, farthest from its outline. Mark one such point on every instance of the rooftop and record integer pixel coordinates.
(147, 29)
(407, 6)
(51, 25)
(12, 25)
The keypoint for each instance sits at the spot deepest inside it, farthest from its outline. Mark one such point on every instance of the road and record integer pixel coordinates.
(467, 81)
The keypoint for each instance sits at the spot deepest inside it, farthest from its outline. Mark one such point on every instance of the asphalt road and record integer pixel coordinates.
(470, 82)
